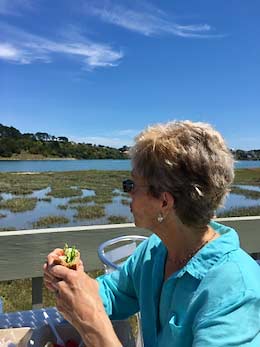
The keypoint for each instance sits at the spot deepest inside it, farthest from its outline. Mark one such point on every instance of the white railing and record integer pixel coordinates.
(23, 252)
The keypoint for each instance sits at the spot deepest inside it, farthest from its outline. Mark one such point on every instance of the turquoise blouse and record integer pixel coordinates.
(214, 300)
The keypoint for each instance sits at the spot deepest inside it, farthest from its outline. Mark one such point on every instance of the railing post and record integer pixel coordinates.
(37, 283)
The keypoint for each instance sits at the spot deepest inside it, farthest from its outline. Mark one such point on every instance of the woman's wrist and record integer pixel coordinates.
(98, 331)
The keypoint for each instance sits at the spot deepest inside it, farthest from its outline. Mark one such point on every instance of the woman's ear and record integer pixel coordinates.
(167, 201)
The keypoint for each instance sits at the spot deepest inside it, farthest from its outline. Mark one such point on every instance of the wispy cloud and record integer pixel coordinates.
(25, 48)
(117, 138)
(102, 140)
(146, 20)
(128, 132)
(14, 7)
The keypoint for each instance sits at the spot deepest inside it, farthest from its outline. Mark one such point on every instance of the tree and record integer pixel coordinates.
(63, 139)
(43, 136)
(9, 132)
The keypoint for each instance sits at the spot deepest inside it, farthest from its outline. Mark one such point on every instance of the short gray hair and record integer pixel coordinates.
(191, 161)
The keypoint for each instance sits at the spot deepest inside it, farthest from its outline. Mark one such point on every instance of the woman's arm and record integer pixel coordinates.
(118, 291)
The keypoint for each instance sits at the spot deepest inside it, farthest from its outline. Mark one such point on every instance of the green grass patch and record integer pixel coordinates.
(8, 229)
(90, 212)
(103, 198)
(125, 202)
(247, 176)
(63, 207)
(117, 219)
(240, 212)
(46, 199)
(116, 193)
(83, 200)
(17, 294)
(99, 181)
(61, 192)
(250, 194)
(50, 221)
(19, 204)
(17, 190)
(22, 184)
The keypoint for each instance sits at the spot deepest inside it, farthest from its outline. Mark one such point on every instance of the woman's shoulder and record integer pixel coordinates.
(150, 248)
(235, 273)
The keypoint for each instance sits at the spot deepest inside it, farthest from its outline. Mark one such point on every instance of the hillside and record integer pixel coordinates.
(16, 145)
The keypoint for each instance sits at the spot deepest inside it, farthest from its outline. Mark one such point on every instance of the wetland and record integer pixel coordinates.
(71, 198)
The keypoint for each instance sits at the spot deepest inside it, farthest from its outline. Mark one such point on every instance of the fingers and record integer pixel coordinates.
(53, 274)
(49, 279)
(54, 255)
(61, 272)
(49, 286)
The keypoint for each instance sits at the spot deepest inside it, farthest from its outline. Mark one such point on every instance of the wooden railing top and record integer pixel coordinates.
(24, 252)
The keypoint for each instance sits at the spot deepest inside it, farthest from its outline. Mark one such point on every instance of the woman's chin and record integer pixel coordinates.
(138, 223)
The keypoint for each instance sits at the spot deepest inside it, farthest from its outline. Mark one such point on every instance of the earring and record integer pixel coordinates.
(160, 218)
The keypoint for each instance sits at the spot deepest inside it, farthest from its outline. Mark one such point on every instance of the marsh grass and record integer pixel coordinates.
(82, 200)
(17, 190)
(90, 212)
(117, 193)
(240, 212)
(63, 207)
(106, 184)
(61, 183)
(19, 204)
(103, 198)
(61, 192)
(117, 220)
(49, 221)
(20, 184)
(46, 199)
(125, 202)
(247, 176)
(250, 194)
(7, 229)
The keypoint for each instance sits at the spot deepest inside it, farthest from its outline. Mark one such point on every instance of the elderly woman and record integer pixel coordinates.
(191, 281)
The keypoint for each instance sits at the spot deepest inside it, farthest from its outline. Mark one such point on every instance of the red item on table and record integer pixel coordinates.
(71, 343)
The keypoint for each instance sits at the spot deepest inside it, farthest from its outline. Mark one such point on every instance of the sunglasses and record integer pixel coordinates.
(129, 186)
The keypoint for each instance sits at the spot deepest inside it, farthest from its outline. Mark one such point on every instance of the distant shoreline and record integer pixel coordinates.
(45, 158)
(17, 158)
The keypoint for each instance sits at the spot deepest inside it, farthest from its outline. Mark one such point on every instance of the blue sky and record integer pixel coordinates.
(100, 71)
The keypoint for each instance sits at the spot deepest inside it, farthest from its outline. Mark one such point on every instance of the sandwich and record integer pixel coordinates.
(70, 257)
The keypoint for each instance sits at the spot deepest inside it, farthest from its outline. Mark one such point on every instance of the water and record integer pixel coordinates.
(63, 165)
(24, 220)
(236, 200)
(78, 165)
(244, 186)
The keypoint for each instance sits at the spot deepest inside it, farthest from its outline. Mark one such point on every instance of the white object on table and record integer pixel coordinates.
(52, 326)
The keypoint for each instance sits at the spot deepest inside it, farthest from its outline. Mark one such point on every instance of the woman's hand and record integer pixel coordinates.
(77, 298)
(48, 278)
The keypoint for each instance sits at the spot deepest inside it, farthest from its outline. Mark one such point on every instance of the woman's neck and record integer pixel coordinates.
(183, 242)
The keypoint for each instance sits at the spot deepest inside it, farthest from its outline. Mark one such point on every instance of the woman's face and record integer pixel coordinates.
(144, 206)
